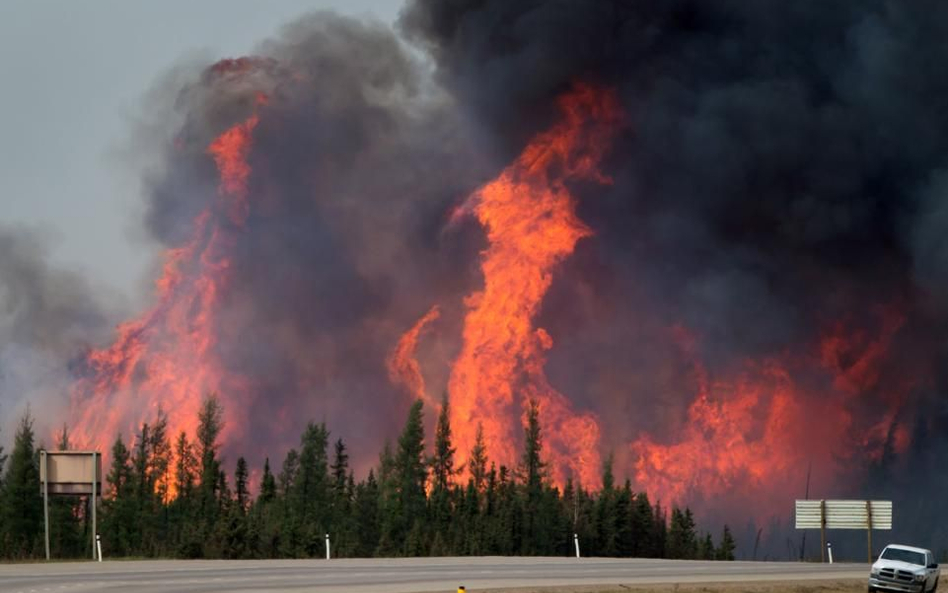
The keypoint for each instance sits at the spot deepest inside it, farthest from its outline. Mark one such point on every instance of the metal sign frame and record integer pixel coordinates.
(843, 514)
(63, 471)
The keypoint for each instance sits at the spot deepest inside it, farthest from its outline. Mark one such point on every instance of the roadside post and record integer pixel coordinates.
(576, 543)
(98, 545)
(843, 514)
(327, 546)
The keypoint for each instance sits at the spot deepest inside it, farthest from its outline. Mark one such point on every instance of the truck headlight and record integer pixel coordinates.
(920, 577)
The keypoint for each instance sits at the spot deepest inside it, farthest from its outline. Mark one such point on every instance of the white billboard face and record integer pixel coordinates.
(71, 472)
(843, 514)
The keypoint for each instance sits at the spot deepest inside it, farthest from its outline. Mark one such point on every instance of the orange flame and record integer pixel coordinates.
(760, 432)
(531, 225)
(167, 358)
(403, 368)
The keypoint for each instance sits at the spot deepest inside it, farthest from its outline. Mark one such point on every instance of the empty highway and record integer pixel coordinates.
(410, 575)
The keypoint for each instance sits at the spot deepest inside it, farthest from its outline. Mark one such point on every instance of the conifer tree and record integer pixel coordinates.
(478, 463)
(442, 462)
(404, 499)
(682, 542)
(22, 506)
(118, 505)
(309, 497)
(532, 474)
(210, 425)
(367, 513)
(267, 483)
(606, 519)
(3, 462)
(241, 490)
(726, 549)
(185, 468)
(442, 477)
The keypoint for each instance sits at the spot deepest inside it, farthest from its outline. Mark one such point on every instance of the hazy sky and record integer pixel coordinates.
(72, 76)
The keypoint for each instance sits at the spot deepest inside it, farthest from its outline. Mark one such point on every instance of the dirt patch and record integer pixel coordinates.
(841, 586)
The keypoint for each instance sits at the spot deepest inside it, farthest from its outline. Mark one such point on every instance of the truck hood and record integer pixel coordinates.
(898, 564)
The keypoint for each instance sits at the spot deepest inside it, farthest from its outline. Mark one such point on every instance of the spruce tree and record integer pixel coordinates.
(367, 516)
(532, 473)
(478, 463)
(442, 477)
(725, 550)
(404, 499)
(267, 483)
(185, 468)
(210, 425)
(119, 535)
(682, 542)
(606, 519)
(22, 505)
(309, 497)
(241, 490)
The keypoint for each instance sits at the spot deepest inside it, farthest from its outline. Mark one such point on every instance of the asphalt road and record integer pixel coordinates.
(409, 575)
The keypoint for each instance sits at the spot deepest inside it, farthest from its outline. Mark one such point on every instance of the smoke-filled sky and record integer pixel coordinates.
(74, 75)
(708, 239)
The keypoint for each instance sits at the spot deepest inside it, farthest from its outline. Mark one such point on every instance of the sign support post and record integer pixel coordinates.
(869, 529)
(45, 501)
(92, 502)
(823, 531)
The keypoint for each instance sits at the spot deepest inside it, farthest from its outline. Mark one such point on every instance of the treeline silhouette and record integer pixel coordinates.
(170, 497)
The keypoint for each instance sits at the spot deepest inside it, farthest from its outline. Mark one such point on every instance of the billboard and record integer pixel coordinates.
(843, 514)
(71, 472)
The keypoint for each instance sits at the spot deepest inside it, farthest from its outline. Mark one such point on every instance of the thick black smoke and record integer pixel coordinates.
(784, 168)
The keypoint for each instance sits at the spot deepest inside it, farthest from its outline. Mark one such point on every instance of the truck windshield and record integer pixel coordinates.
(904, 556)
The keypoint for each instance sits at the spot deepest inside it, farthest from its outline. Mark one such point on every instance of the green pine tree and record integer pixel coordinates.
(726, 549)
(22, 506)
(478, 463)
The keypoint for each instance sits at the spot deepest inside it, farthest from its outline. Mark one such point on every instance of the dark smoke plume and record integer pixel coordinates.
(783, 170)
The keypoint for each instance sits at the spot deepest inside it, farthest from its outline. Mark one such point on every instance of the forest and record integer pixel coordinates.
(169, 496)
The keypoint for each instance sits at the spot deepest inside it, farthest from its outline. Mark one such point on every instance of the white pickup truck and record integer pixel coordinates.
(905, 569)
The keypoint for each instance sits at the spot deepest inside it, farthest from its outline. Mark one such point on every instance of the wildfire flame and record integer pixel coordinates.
(529, 217)
(759, 430)
(403, 368)
(166, 358)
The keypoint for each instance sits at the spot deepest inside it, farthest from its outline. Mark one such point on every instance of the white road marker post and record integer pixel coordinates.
(829, 551)
(327, 546)
(98, 545)
(576, 543)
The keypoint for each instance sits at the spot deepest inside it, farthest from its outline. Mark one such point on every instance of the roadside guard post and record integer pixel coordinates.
(843, 514)
(70, 473)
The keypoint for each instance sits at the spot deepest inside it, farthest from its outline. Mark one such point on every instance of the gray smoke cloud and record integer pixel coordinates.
(48, 316)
